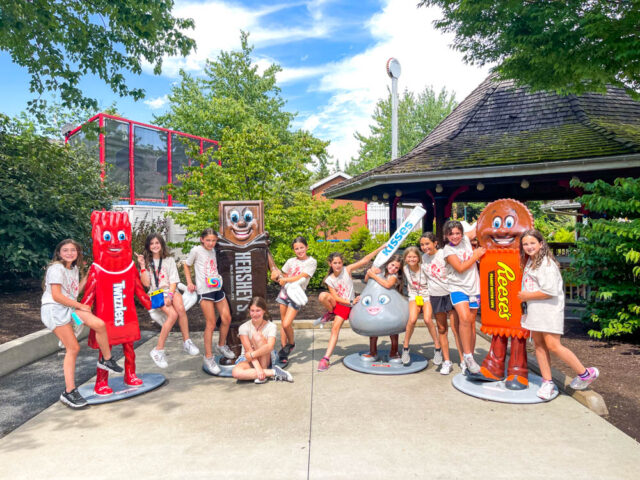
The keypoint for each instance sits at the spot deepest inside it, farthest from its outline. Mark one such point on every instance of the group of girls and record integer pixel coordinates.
(441, 282)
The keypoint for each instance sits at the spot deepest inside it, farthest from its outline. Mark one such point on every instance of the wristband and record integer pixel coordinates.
(142, 270)
(170, 294)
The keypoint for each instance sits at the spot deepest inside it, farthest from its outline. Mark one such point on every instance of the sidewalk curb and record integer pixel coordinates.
(25, 350)
(590, 399)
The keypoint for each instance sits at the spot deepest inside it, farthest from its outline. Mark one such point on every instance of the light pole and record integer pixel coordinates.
(394, 70)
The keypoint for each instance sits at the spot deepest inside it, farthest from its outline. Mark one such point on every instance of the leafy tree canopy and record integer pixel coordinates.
(48, 193)
(60, 42)
(259, 158)
(608, 255)
(570, 46)
(417, 116)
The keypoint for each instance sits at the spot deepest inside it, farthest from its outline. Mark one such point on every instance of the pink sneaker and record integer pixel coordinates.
(323, 365)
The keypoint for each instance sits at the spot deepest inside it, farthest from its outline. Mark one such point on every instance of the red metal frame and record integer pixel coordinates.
(132, 193)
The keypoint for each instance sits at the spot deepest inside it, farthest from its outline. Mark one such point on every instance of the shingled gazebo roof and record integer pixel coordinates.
(502, 131)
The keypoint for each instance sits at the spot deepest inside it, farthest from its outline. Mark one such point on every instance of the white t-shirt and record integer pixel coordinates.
(467, 282)
(168, 274)
(247, 328)
(544, 315)
(68, 279)
(436, 268)
(342, 284)
(416, 282)
(294, 267)
(205, 265)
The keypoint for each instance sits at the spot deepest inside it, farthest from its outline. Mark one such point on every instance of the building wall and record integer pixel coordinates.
(360, 221)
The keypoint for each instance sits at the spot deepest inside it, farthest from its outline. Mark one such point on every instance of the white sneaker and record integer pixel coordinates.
(190, 348)
(580, 383)
(547, 390)
(159, 358)
(463, 367)
(445, 369)
(211, 365)
(437, 357)
(471, 364)
(406, 356)
(282, 375)
(226, 351)
(264, 380)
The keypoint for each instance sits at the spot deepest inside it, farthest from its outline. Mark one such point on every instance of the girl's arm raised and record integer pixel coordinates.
(387, 283)
(459, 266)
(364, 260)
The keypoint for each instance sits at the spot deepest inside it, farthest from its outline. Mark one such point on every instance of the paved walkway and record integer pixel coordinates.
(337, 424)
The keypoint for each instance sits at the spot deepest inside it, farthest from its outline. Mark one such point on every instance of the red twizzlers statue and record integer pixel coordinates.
(111, 285)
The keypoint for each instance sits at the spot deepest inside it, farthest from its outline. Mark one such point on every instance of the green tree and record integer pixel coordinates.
(48, 193)
(260, 157)
(571, 46)
(60, 42)
(417, 116)
(608, 255)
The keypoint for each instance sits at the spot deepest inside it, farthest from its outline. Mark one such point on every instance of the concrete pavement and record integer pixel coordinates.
(332, 425)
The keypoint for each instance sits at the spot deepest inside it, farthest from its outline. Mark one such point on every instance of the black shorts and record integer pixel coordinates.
(441, 304)
(216, 296)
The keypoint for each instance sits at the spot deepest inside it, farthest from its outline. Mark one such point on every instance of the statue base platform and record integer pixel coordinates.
(382, 365)
(225, 370)
(497, 392)
(151, 381)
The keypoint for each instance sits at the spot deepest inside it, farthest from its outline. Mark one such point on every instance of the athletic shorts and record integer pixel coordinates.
(441, 304)
(342, 311)
(55, 315)
(287, 303)
(459, 297)
(216, 297)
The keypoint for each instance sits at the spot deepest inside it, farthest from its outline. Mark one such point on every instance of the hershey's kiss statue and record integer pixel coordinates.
(112, 283)
(499, 229)
(383, 311)
(243, 259)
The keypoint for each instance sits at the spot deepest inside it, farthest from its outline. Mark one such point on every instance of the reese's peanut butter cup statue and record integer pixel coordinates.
(499, 228)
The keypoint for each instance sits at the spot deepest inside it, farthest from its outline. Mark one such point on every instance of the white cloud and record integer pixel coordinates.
(218, 25)
(156, 103)
(402, 31)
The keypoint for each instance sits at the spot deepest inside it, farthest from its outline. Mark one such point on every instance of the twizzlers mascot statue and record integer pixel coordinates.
(499, 228)
(111, 285)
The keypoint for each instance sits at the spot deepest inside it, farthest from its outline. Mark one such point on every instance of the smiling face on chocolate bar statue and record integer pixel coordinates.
(502, 222)
(241, 222)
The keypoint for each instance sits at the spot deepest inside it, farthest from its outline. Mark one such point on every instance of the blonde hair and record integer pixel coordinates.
(409, 250)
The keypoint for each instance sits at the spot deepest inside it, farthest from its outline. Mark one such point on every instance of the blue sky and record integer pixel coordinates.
(333, 54)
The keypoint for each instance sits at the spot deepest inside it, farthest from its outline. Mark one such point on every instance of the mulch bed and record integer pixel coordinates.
(618, 361)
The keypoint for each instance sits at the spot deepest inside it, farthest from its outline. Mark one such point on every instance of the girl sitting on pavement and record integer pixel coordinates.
(158, 271)
(340, 297)
(543, 293)
(59, 306)
(258, 338)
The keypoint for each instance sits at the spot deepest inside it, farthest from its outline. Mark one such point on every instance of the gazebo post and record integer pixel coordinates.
(440, 203)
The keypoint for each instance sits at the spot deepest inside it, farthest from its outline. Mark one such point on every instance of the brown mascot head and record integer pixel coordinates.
(241, 222)
(502, 222)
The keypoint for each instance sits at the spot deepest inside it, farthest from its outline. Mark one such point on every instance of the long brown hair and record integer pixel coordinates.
(395, 258)
(78, 262)
(262, 304)
(544, 251)
(148, 256)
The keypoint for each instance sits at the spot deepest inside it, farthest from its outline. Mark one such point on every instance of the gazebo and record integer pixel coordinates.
(504, 141)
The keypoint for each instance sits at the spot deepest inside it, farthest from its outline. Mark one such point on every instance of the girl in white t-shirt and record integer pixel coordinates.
(543, 292)
(158, 271)
(415, 278)
(258, 338)
(297, 269)
(340, 297)
(209, 287)
(390, 279)
(60, 305)
(464, 285)
(435, 267)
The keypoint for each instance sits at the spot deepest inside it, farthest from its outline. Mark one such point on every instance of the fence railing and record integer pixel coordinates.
(573, 293)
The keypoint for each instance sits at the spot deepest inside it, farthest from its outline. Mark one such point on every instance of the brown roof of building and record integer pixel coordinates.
(499, 124)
